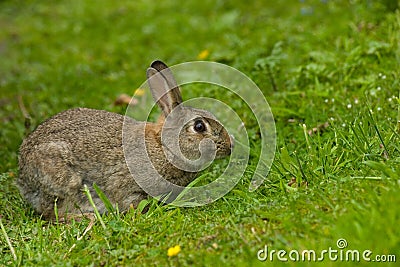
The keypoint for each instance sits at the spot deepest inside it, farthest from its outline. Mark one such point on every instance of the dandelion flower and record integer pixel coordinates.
(139, 92)
(203, 54)
(173, 251)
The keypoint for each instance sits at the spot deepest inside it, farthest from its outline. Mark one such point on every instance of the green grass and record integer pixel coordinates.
(315, 61)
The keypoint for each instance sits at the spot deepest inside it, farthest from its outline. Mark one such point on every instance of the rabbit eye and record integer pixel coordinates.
(199, 126)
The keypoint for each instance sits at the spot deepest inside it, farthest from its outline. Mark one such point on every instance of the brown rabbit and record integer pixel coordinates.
(83, 146)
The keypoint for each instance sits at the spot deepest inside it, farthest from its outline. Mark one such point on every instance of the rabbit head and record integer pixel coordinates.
(191, 137)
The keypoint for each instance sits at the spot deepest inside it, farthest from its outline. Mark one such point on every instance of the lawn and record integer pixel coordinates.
(330, 72)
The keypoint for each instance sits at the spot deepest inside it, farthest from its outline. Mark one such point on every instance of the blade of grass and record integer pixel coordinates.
(3, 230)
(386, 171)
(56, 210)
(106, 201)
(398, 114)
(300, 168)
(96, 211)
(378, 132)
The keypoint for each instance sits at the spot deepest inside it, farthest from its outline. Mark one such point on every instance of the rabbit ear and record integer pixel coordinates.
(163, 87)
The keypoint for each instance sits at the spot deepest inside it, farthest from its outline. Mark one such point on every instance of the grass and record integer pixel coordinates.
(329, 70)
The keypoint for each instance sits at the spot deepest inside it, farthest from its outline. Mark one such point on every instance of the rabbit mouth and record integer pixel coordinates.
(192, 161)
(223, 152)
(224, 149)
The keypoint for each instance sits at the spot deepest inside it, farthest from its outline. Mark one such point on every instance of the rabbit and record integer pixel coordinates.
(82, 146)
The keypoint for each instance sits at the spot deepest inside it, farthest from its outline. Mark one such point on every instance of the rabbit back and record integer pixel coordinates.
(76, 147)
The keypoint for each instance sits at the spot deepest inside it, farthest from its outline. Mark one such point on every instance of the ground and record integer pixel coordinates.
(330, 73)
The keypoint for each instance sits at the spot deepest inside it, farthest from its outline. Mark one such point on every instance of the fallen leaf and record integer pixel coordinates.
(124, 99)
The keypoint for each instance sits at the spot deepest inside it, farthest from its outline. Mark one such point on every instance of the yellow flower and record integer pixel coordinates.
(139, 92)
(203, 54)
(173, 251)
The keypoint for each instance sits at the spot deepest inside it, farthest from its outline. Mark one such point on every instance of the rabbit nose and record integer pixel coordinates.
(232, 141)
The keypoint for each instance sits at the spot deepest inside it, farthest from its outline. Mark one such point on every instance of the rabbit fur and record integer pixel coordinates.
(84, 146)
